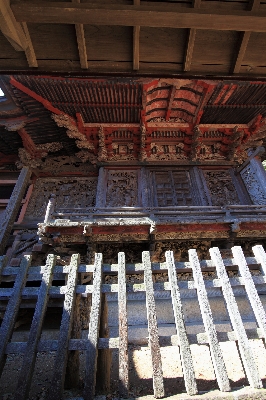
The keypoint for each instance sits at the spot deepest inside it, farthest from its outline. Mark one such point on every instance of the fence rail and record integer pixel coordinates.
(69, 344)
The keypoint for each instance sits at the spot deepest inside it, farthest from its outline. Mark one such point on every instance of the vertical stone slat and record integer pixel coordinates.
(58, 379)
(158, 384)
(215, 349)
(13, 206)
(185, 352)
(12, 309)
(92, 345)
(123, 330)
(250, 288)
(236, 320)
(29, 359)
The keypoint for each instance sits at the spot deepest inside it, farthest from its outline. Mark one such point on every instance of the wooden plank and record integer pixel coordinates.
(158, 384)
(244, 39)
(11, 28)
(136, 33)
(81, 43)
(128, 15)
(14, 203)
(11, 312)
(236, 321)
(29, 50)
(57, 382)
(250, 288)
(216, 353)
(24, 380)
(123, 329)
(190, 42)
(92, 344)
(185, 352)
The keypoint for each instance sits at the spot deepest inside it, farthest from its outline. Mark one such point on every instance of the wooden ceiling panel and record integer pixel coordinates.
(52, 41)
(256, 51)
(110, 43)
(214, 49)
(162, 45)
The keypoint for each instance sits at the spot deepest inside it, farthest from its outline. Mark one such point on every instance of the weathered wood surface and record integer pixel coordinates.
(185, 352)
(97, 339)
(92, 344)
(29, 359)
(215, 349)
(236, 320)
(13, 206)
(251, 290)
(11, 312)
(57, 383)
(144, 15)
(123, 327)
(158, 384)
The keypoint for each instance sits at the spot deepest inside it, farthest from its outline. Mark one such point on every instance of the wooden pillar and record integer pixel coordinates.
(13, 206)
(101, 188)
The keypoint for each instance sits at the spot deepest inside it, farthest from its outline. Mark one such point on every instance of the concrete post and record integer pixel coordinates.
(12, 208)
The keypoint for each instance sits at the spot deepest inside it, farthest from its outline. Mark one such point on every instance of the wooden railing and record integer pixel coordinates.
(70, 294)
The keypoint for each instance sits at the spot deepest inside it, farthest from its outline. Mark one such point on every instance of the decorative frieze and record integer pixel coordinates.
(167, 152)
(180, 250)
(122, 188)
(69, 192)
(221, 188)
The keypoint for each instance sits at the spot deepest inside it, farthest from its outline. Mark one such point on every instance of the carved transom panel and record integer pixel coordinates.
(172, 188)
(122, 188)
(221, 188)
(253, 185)
(70, 192)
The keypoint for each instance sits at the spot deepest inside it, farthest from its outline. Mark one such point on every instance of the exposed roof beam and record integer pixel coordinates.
(29, 51)
(130, 15)
(136, 32)
(16, 34)
(191, 41)
(244, 39)
(81, 43)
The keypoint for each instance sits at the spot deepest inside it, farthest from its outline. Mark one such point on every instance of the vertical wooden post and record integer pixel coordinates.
(158, 384)
(12, 208)
(123, 330)
(92, 344)
(58, 379)
(49, 209)
(12, 309)
(104, 362)
(24, 381)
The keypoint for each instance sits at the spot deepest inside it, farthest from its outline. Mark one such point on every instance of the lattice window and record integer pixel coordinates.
(173, 188)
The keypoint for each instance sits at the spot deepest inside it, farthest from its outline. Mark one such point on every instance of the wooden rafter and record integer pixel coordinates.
(136, 33)
(130, 15)
(81, 43)
(17, 34)
(170, 102)
(244, 39)
(191, 41)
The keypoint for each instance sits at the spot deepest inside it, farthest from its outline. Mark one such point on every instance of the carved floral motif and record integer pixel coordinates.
(70, 192)
(166, 152)
(180, 250)
(221, 188)
(122, 189)
(253, 185)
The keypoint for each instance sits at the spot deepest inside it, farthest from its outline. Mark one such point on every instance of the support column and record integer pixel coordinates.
(12, 208)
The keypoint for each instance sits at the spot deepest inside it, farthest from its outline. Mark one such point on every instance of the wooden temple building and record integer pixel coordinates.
(132, 141)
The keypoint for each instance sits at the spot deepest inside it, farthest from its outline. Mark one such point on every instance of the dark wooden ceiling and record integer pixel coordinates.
(218, 38)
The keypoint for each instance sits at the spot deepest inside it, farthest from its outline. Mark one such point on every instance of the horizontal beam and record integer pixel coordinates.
(130, 15)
